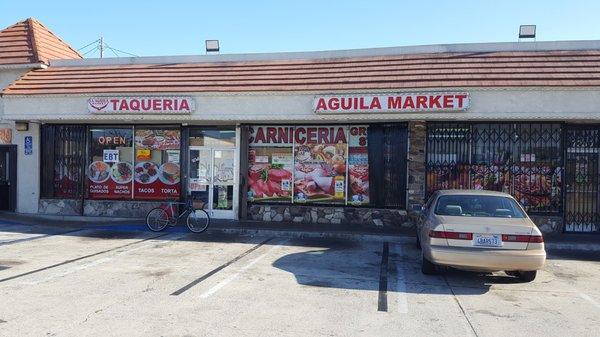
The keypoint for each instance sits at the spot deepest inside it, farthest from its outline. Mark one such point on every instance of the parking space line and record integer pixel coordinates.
(589, 299)
(383, 279)
(219, 268)
(97, 262)
(228, 280)
(77, 259)
(462, 309)
(39, 237)
(400, 284)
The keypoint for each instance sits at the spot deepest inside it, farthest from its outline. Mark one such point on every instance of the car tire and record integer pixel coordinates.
(418, 242)
(527, 276)
(427, 267)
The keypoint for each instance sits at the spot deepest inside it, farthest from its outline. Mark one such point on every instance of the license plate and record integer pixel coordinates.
(487, 240)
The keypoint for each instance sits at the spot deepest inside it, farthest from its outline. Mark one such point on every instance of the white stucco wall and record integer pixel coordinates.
(27, 166)
(28, 170)
(582, 104)
(514, 104)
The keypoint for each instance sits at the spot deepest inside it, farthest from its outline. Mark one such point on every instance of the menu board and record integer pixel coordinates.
(320, 164)
(271, 161)
(358, 166)
(110, 174)
(157, 170)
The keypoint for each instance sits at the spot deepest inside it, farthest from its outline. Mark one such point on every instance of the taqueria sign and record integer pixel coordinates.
(131, 105)
(399, 102)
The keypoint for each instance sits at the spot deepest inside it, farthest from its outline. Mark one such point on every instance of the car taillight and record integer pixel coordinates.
(450, 235)
(522, 238)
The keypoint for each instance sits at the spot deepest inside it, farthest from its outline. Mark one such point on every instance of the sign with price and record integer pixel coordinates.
(110, 156)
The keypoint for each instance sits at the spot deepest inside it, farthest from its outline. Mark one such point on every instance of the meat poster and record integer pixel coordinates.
(270, 159)
(358, 166)
(320, 164)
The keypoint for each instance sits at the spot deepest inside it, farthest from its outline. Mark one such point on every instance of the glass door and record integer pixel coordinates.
(212, 180)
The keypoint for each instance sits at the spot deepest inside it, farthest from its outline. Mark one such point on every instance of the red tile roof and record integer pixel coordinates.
(415, 71)
(29, 41)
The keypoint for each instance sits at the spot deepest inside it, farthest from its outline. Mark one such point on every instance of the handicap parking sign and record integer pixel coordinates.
(28, 145)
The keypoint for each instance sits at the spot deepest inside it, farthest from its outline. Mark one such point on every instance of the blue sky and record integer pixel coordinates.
(175, 27)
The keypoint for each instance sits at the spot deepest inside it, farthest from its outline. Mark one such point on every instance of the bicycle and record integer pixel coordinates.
(197, 219)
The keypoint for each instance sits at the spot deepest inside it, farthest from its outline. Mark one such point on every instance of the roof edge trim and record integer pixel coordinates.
(327, 54)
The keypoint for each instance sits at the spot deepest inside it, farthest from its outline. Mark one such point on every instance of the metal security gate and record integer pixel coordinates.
(582, 151)
(522, 159)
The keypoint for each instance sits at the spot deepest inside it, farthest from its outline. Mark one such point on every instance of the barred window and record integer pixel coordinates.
(522, 159)
(63, 160)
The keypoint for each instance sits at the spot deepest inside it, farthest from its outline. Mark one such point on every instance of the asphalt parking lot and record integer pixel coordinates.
(102, 282)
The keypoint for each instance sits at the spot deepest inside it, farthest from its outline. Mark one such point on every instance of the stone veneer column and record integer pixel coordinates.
(417, 133)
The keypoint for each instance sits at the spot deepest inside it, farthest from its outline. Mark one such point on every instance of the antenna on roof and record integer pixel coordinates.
(101, 46)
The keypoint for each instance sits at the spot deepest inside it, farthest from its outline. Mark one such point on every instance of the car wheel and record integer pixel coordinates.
(418, 241)
(427, 267)
(527, 276)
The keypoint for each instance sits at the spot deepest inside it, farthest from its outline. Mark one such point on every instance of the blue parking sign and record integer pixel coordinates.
(28, 145)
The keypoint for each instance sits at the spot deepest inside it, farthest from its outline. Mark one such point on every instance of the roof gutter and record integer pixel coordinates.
(24, 66)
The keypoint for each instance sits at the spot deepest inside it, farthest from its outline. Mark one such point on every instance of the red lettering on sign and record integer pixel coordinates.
(168, 104)
(123, 105)
(375, 104)
(421, 102)
(448, 101)
(321, 104)
(394, 102)
(271, 134)
(311, 133)
(434, 102)
(460, 99)
(184, 105)
(408, 103)
(300, 135)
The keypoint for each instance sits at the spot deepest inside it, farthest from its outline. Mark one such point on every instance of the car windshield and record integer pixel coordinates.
(478, 205)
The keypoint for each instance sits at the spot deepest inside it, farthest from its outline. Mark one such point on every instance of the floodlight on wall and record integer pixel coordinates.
(212, 46)
(21, 126)
(527, 32)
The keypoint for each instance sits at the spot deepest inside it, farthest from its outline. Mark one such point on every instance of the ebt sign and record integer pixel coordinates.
(150, 105)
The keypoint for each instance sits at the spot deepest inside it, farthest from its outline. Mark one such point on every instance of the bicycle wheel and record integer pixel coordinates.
(198, 220)
(157, 219)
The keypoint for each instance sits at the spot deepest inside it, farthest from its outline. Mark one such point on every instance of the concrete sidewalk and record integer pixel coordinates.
(585, 243)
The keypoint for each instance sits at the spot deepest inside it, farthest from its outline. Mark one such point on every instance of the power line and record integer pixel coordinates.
(100, 45)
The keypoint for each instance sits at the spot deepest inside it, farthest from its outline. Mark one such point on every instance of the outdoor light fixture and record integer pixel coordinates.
(527, 32)
(212, 46)
(21, 126)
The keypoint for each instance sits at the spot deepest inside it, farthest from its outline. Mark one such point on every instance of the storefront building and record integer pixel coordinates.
(24, 46)
(328, 138)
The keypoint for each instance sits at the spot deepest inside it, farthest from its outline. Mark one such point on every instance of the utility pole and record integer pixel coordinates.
(101, 46)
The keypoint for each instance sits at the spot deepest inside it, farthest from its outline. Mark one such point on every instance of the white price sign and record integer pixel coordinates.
(111, 156)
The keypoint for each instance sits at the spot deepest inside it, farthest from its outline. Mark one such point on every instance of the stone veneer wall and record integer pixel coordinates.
(548, 223)
(60, 206)
(107, 208)
(417, 134)
(328, 215)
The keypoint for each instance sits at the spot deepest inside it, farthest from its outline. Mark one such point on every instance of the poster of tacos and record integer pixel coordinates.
(271, 162)
(358, 166)
(320, 159)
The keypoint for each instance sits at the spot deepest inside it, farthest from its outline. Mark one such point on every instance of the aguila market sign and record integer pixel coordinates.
(400, 102)
(132, 105)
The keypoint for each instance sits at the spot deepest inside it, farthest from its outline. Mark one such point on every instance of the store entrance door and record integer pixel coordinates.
(8, 177)
(582, 195)
(211, 180)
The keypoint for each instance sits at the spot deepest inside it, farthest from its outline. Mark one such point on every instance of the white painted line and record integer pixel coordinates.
(97, 262)
(400, 284)
(589, 299)
(231, 278)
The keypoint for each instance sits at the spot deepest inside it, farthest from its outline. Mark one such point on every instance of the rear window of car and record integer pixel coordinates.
(479, 206)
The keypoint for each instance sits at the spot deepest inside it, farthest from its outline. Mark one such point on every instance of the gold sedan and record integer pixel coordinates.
(479, 231)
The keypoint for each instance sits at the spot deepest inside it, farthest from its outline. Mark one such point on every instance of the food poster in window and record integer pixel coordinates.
(537, 186)
(110, 175)
(320, 164)
(157, 169)
(358, 166)
(270, 159)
